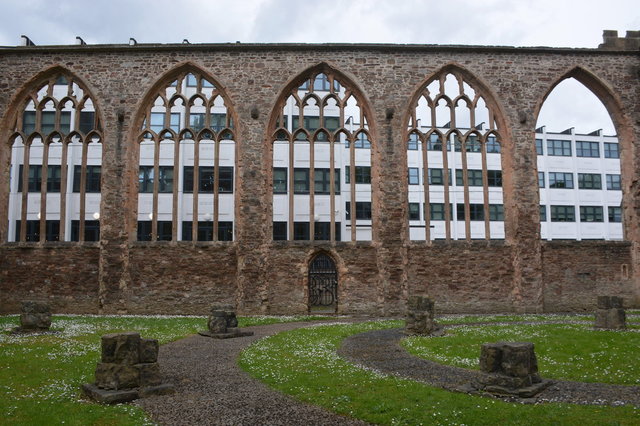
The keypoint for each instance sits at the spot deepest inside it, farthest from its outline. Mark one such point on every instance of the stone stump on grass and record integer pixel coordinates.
(610, 314)
(419, 319)
(128, 370)
(223, 324)
(510, 368)
(34, 317)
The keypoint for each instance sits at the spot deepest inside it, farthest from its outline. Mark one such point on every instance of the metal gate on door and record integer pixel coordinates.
(323, 283)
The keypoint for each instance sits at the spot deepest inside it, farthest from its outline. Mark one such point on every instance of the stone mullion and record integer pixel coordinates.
(176, 184)
(196, 188)
(332, 187)
(216, 187)
(83, 190)
(291, 187)
(25, 190)
(485, 191)
(447, 186)
(63, 190)
(156, 186)
(352, 187)
(425, 187)
(43, 190)
(465, 181)
(312, 189)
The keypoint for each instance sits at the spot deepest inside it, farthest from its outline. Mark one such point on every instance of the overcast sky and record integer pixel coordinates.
(556, 23)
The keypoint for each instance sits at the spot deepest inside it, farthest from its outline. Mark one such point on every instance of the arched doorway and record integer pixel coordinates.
(323, 284)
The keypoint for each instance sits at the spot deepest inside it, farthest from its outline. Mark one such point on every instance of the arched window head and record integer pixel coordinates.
(56, 164)
(187, 162)
(322, 161)
(453, 194)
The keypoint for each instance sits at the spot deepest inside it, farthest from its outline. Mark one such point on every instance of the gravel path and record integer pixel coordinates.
(212, 390)
(381, 351)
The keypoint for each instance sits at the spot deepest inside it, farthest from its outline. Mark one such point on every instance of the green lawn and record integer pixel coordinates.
(41, 374)
(303, 363)
(564, 351)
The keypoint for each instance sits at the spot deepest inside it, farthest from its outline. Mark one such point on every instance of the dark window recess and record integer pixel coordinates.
(563, 214)
(205, 231)
(87, 120)
(93, 178)
(363, 210)
(476, 212)
(91, 230)
(145, 179)
(29, 122)
(589, 181)
(414, 211)
(494, 178)
(614, 182)
(205, 182)
(279, 231)
(33, 230)
(591, 214)
(414, 176)
(280, 180)
(301, 230)
(35, 178)
(587, 149)
(493, 146)
(615, 214)
(435, 143)
(301, 181)
(539, 147)
(540, 179)
(560, 180)
(362, 141)
(436, 211)
(543, 213)
(560, 148)
(436, 177)
(322, 231)
(363, 174)
(474, 177)
(322, 180)
(611, 150)
(163, 230)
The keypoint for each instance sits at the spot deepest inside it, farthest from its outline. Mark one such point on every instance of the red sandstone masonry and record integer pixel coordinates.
(261, 276)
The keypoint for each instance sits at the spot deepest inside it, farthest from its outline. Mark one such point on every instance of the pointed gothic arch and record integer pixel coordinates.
(185, 128)
(461, 187)
(321, 118)
(612, 102)
(53, 120)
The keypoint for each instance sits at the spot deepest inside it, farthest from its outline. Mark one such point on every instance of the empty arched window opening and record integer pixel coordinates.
(579, 171)
(454, 160)
(322, 163)
(56, 160)
(186, 167)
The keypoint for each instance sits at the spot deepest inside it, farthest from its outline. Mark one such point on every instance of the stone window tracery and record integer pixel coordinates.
(451, 127)
(187, 140)
(58, 135)
(321, 130)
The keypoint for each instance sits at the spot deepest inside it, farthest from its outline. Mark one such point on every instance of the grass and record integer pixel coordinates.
(469, 319)
(564, 351)
(303, 363)
(42, 373)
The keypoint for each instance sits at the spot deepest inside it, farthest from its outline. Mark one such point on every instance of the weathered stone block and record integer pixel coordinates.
(420, 303)
(519, 359)
(419, 318)
(35, 316)
(148, 350)
(121, 348)
(148, 374)
(116, 376)
(491, 358)
(612, 319)
(217, 324)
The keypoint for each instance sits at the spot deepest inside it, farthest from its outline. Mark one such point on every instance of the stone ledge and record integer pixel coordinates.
(104, 396)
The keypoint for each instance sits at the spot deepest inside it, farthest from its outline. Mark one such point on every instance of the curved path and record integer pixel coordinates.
(212, 390)
(381, 351)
